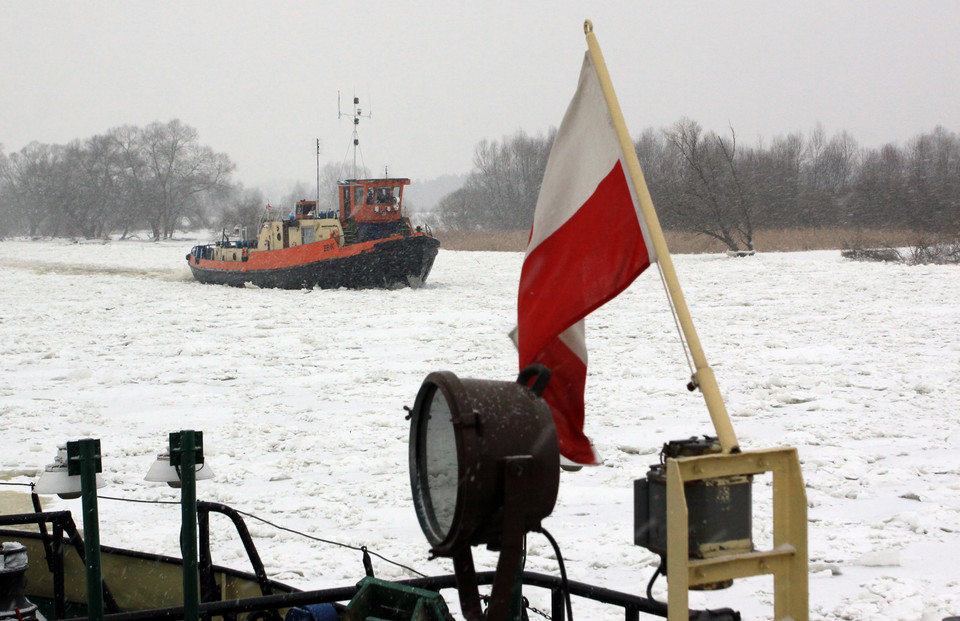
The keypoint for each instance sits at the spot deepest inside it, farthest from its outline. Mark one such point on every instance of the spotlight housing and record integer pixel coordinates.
(484, 470)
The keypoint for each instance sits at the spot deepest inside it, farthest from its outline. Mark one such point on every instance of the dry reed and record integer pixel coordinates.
(679, 242)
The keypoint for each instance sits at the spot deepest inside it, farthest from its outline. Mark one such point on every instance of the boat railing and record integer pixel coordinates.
(263, 607)
(268, 605)
(65, 531)
(53, 545)
(331, 214)
(208, 584)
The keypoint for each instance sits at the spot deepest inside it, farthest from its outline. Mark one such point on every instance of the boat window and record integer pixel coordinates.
(385, 196)
(370, 192)
(358, 195)
(346, 198)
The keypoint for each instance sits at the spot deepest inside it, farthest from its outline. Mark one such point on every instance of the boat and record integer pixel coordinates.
(368, 242)
(46, 573)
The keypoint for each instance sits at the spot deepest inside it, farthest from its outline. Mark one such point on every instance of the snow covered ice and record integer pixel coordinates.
(300, 396)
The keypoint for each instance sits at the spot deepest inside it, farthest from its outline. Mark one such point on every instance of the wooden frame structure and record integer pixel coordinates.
(787, 561)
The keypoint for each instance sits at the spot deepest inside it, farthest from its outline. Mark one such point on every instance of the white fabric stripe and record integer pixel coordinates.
(575, 338)
(584, 152)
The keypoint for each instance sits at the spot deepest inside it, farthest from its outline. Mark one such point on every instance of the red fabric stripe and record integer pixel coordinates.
(590, 259)
(564, 394)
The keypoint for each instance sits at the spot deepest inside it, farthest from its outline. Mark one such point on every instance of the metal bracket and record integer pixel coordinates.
(787, 561)
(75, 449)
(176, 452)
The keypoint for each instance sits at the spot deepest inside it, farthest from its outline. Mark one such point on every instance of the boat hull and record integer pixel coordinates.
(137, 580)
(401, 261)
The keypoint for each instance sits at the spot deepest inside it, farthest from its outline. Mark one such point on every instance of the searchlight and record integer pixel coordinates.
(484, 470)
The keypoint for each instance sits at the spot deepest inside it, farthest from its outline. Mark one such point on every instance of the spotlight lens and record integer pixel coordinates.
(441, 472)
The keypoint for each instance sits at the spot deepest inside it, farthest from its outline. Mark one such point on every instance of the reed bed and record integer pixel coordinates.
(680, 242)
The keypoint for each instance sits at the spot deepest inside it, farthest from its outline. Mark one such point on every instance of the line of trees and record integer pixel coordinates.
(501, 192)
(713, 185)
(157, 177)
(161, 178)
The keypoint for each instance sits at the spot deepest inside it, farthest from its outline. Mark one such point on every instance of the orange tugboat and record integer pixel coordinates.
(367, 243)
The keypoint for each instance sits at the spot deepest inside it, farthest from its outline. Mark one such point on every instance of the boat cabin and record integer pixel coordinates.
(306, 209)
(371, 201)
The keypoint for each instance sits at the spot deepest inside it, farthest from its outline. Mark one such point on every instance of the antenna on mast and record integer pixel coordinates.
(357, 114)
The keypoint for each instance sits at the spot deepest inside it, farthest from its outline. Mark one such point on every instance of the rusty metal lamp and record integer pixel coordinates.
(484, 470)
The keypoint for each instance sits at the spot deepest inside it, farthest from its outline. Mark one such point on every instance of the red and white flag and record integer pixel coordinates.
(588, 243)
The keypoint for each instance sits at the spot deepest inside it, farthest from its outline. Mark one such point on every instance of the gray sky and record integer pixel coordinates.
(259, 80)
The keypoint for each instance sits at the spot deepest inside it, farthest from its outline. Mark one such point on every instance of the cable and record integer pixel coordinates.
(676, 320)
(563, 572)
(653, 578)
(335, 543)
(258, 518)
(146, 502)
(278, 527)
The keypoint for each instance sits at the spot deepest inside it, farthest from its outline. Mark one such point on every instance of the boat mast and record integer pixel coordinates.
(357, 115)
(317, 208)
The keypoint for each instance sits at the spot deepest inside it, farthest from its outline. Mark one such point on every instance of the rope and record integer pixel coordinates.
(146, 502)
(676, 321)
(335, 543)
(653, 578)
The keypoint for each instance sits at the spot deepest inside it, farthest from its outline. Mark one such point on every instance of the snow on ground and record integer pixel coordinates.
(300, 395)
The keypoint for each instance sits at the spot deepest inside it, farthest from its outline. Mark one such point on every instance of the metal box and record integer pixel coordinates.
(719, 509)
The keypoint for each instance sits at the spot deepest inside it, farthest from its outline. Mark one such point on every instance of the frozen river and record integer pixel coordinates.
(300, 396)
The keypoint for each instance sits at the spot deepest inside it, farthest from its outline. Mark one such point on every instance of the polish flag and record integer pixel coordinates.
(588, 243)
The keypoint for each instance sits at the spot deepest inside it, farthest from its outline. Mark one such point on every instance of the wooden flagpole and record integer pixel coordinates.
(703, 377)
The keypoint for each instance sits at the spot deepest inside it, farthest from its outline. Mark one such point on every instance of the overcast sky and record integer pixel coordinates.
(259, 80)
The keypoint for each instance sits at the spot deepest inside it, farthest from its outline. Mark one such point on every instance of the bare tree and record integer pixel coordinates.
(932, 175)
(881, 198)
(172, 171)
(94, 173)
(32, 185)
(501, 193)
(742, 197)
(711, 200)
(245, 208)
(6, 197)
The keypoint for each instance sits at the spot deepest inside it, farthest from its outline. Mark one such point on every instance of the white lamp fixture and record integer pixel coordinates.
(55, 480)
(162, 472)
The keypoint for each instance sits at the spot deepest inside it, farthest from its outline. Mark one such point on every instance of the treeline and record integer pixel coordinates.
(162, 179)
(157, 177)
(713, 185)
(502, 190)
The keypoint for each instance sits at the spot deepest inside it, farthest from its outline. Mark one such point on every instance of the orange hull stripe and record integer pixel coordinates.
(298, 255)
